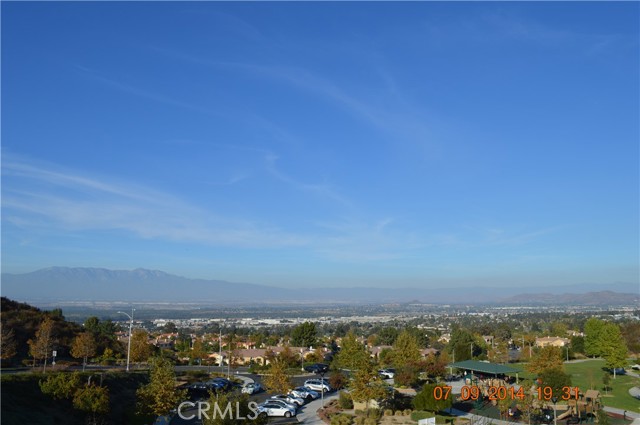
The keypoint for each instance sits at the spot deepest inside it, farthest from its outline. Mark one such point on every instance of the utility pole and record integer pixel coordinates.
(130, 329)
(220, 349)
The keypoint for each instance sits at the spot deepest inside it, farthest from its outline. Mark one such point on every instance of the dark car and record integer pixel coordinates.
(220, 384)
(318, 368)
(197, 391)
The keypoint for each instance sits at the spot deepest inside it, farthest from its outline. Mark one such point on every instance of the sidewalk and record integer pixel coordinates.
(308, 413)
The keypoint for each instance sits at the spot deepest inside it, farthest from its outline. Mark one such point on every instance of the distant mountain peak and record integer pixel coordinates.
(70, 284)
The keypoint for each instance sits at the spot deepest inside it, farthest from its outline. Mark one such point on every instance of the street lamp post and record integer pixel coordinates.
(555, 418)
(322, 391)
(130, 328)
(301, 360)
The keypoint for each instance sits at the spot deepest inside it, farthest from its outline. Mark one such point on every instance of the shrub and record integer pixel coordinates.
(407, 412)
(420, 414)
(398, 413)
(388, 412)
(359, 420)
(370, 421)
(345, 401)
(373, 414)
(341, 419)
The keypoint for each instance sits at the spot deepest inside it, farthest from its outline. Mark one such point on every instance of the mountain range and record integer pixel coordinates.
(140, 285)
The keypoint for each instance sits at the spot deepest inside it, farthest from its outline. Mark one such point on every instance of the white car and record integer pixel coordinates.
(289, 398)
(305, 393)
(252, 388)
(270, 408)
(317, 385)
(282, 403)
(387, 373)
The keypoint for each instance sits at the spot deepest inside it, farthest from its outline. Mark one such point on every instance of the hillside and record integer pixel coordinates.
(601, 298)
(141, 285)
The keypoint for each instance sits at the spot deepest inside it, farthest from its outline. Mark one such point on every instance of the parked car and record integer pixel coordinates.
(252, 388)
(270, 408)
(282, 403)
(220, 384)
(197, 391)
(318, 368)
(305, 393)
(387, 373)
(289, 398)
(317, 385)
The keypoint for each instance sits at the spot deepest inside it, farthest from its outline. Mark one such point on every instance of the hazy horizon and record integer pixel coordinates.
(292, 144)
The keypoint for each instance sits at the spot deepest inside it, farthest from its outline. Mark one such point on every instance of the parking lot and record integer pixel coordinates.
(258, 398)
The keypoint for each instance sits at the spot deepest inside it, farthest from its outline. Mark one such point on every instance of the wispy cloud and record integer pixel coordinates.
(323, 189)
(44, 195)
(402, 121)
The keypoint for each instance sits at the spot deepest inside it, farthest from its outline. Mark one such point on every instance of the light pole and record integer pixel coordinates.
(322, 391)
(555, 419)
(130, 327)
(301, 361)
(220, 349)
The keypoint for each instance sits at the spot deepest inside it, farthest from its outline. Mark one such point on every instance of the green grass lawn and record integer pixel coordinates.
(588, 375)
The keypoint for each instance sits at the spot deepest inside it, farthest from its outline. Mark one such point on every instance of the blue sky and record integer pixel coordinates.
(305, 144)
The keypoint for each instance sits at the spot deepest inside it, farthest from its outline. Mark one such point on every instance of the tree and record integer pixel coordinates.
(197, 351)
(60, 386)
(42, 345)
(289, 357)
(613, 347)
(577, 344)
(558, 328)
(169, 328)
(606, 380)
(503, 332)
(367, 385)
(631, 334)
(92, 399)
(278, 380)
(304, 335)
(104, 333)
(405, 350)
(463, 345)
(352, 354)
(83, 346)
(425, 399)
(387, 336)
(545, 358)
(7, 343)
(555, 378)
(499, 353)
(160, 395)
(602, 418)
(592, 339)
(140, 347)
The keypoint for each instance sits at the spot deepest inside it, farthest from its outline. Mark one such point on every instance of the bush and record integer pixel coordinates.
(388, 412)
(407, 412)
(421, 414)
(345, 401)
(370, 421)
(341, 419)
(373, 414)
(359, 420)
(398, 413)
